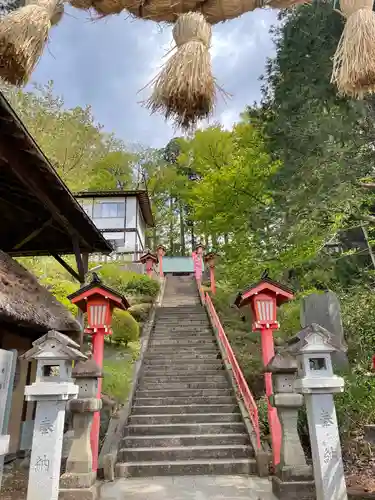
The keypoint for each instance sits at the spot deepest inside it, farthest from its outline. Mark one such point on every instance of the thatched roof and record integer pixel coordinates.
(26, 303)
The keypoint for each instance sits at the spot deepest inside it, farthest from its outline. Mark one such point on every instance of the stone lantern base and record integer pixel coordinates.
(79, 494)
(294, 483)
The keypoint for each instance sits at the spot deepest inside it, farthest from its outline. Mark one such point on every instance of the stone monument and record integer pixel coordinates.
(78, 482)
(54, 353)
(293, 479)
(324, 309)
(313, 347)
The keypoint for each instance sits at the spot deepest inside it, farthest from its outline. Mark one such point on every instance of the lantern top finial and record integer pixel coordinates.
(267, 286)
(95, 278)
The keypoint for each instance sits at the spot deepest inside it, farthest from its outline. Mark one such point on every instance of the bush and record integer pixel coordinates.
(125, 328)
(127, 282)
(140, 311)
(141, 284)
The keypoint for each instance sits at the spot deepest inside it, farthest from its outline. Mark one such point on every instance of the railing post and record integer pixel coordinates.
(160, 253)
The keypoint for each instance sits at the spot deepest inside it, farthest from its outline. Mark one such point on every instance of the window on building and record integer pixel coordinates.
(109, 210)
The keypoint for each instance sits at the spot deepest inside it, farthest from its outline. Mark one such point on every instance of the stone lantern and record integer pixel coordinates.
(79, 478)
(53, 388)
(293, 477)
(313, 347)
(149, 259)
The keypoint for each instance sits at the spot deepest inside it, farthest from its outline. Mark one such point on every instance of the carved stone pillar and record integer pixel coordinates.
(78, 482)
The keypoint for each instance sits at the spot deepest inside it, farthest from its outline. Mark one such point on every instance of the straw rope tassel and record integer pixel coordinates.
(354, 61)
(185, 88)
(23, 35)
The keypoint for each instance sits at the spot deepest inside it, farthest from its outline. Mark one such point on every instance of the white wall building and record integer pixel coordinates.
(122, 217)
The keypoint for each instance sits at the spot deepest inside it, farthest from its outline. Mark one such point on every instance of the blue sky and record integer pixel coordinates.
(105, 63)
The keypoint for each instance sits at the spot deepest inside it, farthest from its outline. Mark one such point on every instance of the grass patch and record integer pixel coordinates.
(118, 371)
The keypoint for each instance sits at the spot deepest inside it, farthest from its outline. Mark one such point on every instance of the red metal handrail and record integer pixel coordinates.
(242, 386)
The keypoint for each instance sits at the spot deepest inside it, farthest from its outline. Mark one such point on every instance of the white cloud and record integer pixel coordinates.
(105, 63)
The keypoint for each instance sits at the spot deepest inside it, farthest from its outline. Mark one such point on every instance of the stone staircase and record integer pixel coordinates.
(185, 418)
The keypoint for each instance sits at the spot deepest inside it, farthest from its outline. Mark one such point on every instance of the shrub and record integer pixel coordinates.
(124, 326)
(127, 281)
(143, 285)
(140, 311)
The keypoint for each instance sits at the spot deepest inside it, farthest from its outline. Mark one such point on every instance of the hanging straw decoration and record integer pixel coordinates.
(8, 6)
(354, 61)
(185, 88)
(23, 35)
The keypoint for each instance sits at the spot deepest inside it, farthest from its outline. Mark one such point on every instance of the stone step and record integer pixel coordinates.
(189, 418)
(181, 356)
(173, 441)
(182, 392)
(185, 453)
(184, 350)
(181, 303)
(166, 313)
(239, 466)
(188, 363)
(171, 385)
(180, 370)
(201, 321)
(183, 336)
(181, 328)
(162, 379)
(183, 342)
(199, 428)
(186, 400)
(184, 409)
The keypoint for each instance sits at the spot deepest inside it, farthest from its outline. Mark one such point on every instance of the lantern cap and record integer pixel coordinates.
(282, 292)
(54, 345)
(161, 247)
(148, 256)
(313, 338)
(97, 287)
(282, 362)
(87, 369)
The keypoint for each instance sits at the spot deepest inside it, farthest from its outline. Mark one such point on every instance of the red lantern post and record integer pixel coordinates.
(98, 300)
(209, 259)
(160, 253)
(264, 297)
(149, 259)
